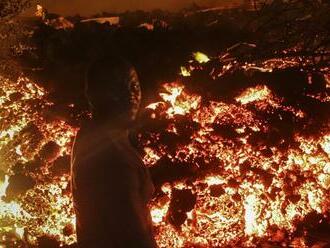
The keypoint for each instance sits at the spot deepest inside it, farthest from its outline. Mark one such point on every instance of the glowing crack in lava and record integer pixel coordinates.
(236, 190)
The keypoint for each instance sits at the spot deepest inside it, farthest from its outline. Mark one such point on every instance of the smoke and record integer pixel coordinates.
(84, 7)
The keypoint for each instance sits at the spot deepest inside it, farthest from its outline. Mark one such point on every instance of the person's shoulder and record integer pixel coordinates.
(91, 139)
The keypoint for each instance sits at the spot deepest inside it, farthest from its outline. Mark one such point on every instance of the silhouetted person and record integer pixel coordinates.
(111, 187)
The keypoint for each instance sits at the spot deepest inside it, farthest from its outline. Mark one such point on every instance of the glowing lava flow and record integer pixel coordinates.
(235, 186)
(243, 190)
(34, 202)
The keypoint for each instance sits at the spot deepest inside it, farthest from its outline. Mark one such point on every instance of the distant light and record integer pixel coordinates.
(201, 57)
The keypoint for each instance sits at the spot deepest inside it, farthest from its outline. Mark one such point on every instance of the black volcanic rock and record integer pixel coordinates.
(61, 166)
(49, 151)
(182, 202)
(18, 184)
(48, 242)
(217, 190)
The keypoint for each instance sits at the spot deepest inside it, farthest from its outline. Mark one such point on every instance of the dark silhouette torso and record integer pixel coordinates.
(111, 189)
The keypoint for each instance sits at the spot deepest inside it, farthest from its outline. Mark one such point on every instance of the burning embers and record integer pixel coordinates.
(228, 172)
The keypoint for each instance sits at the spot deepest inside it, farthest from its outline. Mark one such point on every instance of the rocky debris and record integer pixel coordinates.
(217, 190)
(61, 166)
(48, 242)
(49, 152)
(182, 201)
(68, 230)
(18, 184)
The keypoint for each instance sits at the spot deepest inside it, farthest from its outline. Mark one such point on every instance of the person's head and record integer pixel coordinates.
(113, 91)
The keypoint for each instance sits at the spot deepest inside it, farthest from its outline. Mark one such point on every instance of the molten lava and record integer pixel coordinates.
(45, 207)
(235, 188)
(243, 191)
